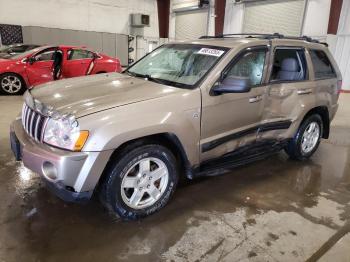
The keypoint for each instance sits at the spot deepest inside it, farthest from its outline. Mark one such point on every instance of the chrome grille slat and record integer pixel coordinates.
(27, 118)
(33, 122)
(36, 135)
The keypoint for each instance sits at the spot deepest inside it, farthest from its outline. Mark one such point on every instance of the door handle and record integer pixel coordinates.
(255, 99)
(304, 91)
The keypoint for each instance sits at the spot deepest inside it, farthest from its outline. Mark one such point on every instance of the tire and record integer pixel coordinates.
(298, 148)
(12, 84)
(127, 183)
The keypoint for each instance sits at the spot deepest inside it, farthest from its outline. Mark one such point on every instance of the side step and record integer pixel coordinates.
(240, 157)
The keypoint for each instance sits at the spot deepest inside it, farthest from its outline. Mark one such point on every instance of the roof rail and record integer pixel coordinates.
(266, 36)
(276, 35)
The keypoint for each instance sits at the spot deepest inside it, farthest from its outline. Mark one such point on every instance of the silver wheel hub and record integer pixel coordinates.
(310, 137)
(144, 183)
(11, 84)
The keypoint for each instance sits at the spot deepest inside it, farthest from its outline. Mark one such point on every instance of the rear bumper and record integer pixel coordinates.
(72, 176)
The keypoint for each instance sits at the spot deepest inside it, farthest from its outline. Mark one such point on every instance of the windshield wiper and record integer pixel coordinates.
(147, 76)
(130, 73)
(156, 80)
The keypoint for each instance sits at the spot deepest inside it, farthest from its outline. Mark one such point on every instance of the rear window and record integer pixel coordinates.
(322, 66)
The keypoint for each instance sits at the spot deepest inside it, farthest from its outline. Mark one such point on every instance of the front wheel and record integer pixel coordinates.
(307, 139)
(11, 84)
(140, 182)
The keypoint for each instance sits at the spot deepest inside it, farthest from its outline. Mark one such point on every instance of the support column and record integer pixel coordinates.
(220, 6)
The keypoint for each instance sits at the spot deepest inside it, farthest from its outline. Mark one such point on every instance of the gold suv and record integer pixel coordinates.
(187, 109)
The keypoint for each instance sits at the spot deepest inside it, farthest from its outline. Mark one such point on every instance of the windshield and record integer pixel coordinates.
(24, 54)
(4, 48)
(181, 65)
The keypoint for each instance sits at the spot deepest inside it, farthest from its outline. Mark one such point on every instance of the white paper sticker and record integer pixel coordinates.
(212, 52)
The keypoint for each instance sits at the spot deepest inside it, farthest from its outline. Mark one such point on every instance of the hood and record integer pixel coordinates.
(85, 95)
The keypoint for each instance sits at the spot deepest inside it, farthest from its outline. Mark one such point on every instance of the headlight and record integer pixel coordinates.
(64, 132)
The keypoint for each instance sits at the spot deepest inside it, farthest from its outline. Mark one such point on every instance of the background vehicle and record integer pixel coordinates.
(48, 63)
(186, 109)
(8, 51)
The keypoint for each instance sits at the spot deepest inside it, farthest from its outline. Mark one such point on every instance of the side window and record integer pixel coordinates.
(289, 65)
(322, 66)
(250, 65)
(75, 54)
(46, 55)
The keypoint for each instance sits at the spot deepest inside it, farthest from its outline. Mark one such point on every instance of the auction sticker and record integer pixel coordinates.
(212, 52)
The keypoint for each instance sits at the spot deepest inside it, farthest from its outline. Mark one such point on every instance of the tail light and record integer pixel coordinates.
(339, 85)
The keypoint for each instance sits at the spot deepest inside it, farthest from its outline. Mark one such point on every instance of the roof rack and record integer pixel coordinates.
(266, 36)
(249, 35)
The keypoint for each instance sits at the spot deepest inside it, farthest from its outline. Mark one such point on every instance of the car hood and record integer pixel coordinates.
(85, 95)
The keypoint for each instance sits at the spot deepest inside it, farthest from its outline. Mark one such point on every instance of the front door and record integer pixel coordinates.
(231, 120)
(288, 89)
(39, 67)
(78, 63)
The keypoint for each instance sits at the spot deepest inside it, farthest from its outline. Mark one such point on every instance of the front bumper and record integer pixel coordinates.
(72, 176)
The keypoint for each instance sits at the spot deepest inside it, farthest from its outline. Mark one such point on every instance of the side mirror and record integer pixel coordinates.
(31, 60)
(232, 85)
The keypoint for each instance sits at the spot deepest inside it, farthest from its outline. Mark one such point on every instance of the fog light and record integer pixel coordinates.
(49, 170)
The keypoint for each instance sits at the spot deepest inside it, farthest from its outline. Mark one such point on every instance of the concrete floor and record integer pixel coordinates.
(272, 210)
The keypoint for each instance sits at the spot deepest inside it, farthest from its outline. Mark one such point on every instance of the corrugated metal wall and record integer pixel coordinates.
(191, 24)
(271, 16)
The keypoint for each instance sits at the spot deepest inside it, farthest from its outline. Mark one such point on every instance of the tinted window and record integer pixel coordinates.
(46, 55)
(289, 65)
(18, 49)
(250, 66)
(76, 54)
(322, 66)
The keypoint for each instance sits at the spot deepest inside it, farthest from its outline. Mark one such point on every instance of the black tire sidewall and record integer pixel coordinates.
(113, 187)
(299, 137)
(20, 92)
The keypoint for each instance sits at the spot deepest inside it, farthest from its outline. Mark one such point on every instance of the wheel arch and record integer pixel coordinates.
(324, 113)
(169, 140)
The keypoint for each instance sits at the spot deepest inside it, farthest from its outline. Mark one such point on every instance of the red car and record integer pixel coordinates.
(47, 63)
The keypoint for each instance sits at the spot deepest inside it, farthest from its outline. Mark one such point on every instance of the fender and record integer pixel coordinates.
(112, 128)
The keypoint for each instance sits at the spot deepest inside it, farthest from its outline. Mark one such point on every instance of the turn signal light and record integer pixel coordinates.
(83, 136)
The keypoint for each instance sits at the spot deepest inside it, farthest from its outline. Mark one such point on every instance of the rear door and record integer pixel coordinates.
(40, 70)
(78, 63)
(290, 91)
(231, 120)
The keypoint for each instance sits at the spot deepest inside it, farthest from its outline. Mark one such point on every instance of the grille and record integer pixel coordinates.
(33, 122)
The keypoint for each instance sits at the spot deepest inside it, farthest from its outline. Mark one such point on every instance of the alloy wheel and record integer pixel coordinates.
(310, 137)
(144, 183)
(11, 84)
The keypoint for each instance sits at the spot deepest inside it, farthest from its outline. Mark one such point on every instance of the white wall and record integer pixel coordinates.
(88, 15)
(316, 18)
(340, 44)
(233, 18)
